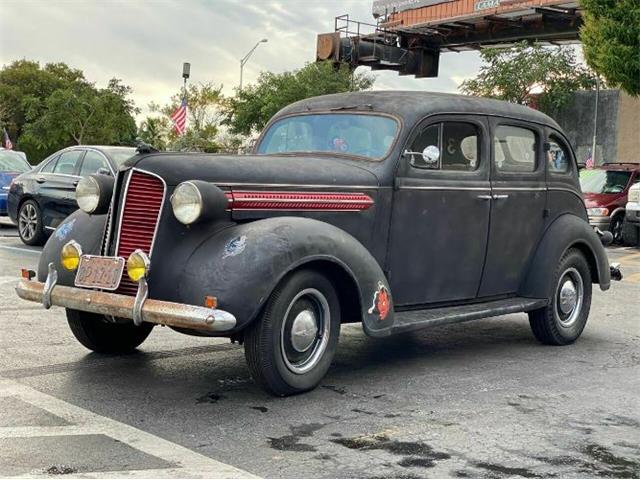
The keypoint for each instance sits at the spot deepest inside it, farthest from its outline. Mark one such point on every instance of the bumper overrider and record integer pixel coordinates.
(138, 308)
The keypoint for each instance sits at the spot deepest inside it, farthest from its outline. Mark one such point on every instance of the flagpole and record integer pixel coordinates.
(595, 122)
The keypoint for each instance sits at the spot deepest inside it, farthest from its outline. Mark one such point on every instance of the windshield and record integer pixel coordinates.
(13, 162)
(120, 154)
(363, 135)
(604, 181)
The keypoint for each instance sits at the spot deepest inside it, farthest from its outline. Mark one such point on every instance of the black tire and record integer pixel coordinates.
(97, 334)
(30, 227)
(631, 234)
(551, 325)
(275, 361)
(615, 227)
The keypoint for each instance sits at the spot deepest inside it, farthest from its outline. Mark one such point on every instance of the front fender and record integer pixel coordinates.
(242, 264)
(567, 231)
(85, 229)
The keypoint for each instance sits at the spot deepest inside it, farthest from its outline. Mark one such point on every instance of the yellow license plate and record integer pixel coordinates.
(99, 272)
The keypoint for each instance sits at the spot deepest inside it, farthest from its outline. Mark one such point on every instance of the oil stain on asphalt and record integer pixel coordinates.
(291, 443)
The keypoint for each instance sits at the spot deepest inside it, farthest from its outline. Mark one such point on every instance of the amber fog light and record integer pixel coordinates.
(138, 265)
(70, 255)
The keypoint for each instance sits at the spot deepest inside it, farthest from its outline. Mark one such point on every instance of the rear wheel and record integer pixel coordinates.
(562, 321)
(290, 348)
(99, 334)
(30, 227)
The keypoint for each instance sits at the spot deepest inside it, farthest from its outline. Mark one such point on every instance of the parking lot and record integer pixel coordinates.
(480, 399)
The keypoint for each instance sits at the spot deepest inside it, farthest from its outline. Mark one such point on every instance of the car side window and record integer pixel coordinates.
(514, 149)
(66, 164)
(446, 146)
(48, 168)
(93, 161)
(558, 156)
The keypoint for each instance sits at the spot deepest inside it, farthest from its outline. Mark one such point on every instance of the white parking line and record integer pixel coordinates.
(190, 464)
(18, 249)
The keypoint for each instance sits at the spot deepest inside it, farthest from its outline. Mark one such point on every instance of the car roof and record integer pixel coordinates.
(414, 105)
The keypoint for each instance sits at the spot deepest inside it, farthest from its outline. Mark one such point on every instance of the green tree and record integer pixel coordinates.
(51, 107)
(203, 118)
(251, 108)
(155, 131)
(530, 74)
(611, 41)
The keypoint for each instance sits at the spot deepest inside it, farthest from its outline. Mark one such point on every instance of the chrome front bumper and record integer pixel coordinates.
(137, 308)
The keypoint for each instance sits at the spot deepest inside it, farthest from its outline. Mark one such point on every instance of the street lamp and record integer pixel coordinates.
(245, 59)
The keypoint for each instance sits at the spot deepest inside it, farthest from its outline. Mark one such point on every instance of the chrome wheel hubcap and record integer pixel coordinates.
(569, 297)
(28, 221)
(305, 331)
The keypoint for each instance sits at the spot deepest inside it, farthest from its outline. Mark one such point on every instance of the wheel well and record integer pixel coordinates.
(345, 285)
(591, 260)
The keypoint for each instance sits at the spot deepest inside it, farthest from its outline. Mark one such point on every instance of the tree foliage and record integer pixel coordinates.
(51, 107)
(611, 41)
(251, 108)
(529, 74)
(203, 120)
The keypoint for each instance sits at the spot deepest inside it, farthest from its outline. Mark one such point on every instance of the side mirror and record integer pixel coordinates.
(104, 171)
(430, 157)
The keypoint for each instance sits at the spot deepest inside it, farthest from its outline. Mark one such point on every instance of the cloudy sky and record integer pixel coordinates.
(144, 42)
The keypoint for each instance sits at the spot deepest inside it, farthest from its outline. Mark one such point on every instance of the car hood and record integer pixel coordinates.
(267, 170)
(592, 200)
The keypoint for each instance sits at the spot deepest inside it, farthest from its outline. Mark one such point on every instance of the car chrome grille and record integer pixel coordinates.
(141, 207)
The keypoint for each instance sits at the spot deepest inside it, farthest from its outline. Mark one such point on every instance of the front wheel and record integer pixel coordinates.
(30, 226)
(99, 334)
(616, 228)
(562, 321)
(290, 348)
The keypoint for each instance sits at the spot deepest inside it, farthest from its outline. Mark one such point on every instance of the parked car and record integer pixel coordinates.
(396, 210)
(12, 164)
(42, 198)
(605, 190)
(631, 228)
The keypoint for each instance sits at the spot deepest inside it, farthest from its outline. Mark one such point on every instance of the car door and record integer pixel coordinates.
(57, 188)
(440, 213)
(519, 196)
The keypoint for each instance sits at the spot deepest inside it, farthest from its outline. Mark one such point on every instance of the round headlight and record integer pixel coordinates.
(186, 202)
(138, 265)
(88, 194)
(70, 255)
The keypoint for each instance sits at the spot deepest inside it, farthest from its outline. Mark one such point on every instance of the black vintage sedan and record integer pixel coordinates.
(396, 210)
(39, 200)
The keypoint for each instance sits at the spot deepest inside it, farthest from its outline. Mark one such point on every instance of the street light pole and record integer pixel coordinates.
(595, 122)
(245, 59)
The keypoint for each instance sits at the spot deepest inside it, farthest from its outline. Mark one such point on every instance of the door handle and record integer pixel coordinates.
(41, 179)
(500, 197)
(75, 183)
(485, 197)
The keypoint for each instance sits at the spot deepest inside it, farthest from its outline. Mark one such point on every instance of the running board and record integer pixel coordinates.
(433, 317)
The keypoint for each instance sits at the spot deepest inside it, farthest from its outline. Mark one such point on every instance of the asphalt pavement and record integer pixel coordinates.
(480, 399)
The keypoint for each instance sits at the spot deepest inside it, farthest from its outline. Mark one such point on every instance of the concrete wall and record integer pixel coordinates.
(618, 129)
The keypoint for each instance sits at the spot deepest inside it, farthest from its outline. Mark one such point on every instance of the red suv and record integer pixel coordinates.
(605, 190)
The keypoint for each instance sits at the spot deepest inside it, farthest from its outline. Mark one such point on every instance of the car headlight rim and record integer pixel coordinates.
(88, 194)
(187, 203)
(138, 265)
(70, 255)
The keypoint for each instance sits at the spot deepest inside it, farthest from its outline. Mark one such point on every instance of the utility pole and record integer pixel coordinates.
(595, 122)
(245, 59)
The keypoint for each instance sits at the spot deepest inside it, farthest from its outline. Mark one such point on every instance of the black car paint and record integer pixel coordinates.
(53, 192)
(474, 251)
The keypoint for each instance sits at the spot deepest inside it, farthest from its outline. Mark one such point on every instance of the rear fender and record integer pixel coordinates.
(242, 264)
(567, 231)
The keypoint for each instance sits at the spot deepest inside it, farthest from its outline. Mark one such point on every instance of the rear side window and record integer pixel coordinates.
(514, 149)
(93, 161)
(67, 162)
(557, 156)
(48, 168)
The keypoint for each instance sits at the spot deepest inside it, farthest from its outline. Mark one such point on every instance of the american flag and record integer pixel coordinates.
(6, 141)
(179, 117)
(589, 161)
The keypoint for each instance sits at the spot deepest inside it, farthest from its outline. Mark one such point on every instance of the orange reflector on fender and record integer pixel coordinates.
(210, 302)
